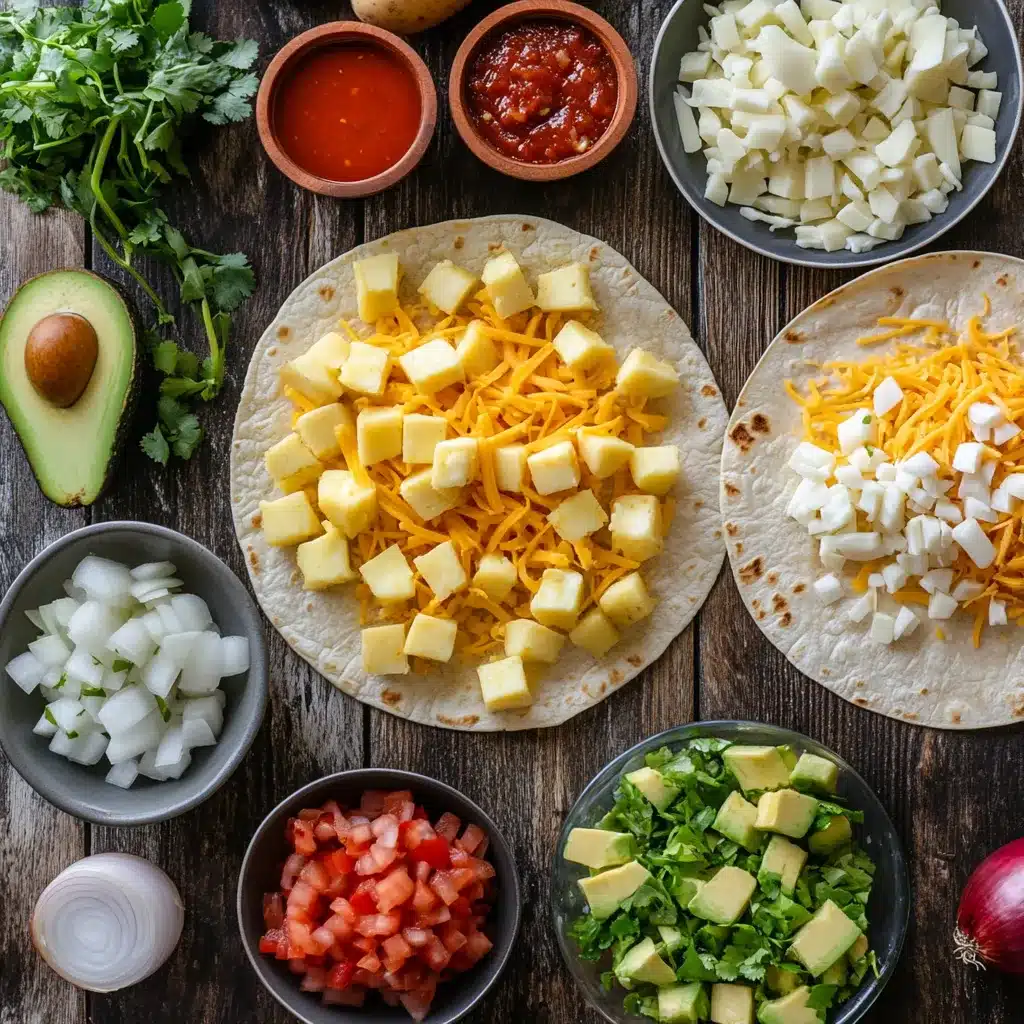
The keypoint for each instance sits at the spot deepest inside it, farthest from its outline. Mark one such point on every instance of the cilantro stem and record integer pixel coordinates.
(216, 355)
(96, 178)
(161, 311)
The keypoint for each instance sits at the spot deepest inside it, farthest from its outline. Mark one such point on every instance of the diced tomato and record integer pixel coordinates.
(340, 863)
(270, 942)
(309, 814)
(396, 801)
(452, 937)
(434, 852)
(301, 900)
(417, 1004)
(462, 878)
(370, 963)
(414, 832)
(396, 952)
(315, 980)
(344, 909)
(435, 954)
(358, 839)
(461, 907)
(364, 900)
(377, 859)
(340, 975)
(478, 946)
(448, 826)
(424, 899)
(441, 882)
(416, 937)
(419, 814)
(273, 910)
(302, 836)
(323, 937)
(434, 917)
(471, 839)
(394, 890)
(338, 926)
(345, 997)
(372, 802)
(315, 875)
(422, 870)
(292, 866)
(297, 966)
(364, 943)
(323, 831)
(379, 924)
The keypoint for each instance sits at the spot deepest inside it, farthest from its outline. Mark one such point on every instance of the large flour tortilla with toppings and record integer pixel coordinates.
(324, 627)
(946, 684)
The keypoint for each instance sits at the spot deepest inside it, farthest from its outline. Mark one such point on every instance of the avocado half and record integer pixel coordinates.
(72, 450)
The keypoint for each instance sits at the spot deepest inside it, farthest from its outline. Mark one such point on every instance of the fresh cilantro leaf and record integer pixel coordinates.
(242, 55)
(73, 735)
(121, 665)
(167, 19)
(821, 997)
(698, 966)
(48, 715)
(93, 691)
(165, 357)
(155, 445)
(165, 711)
(187, 437)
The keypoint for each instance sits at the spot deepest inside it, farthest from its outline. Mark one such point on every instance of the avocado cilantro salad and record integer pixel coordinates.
(726, 884)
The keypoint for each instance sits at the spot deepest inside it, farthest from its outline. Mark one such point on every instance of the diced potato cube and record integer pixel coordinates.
(384, 650)
(655, 470)
(627, 601)
(432, 366)
(314, 374)
(566, 289)
(324, 562)
(581, 348)
(977, 143)
(456, 463)
(379, 434)
(427, 502)
(596, 633)
(476, 351)
(432, 638)
(495, 576)
(376, 286)
(420, 436)
(510, 468)
(389, 576)
(442, 570)
(532, 642)
(636, 526)
(366, 369)
(317, 429)
(289, 520)
(554, 469)
(603, 454)
(291, 464)
(350, 507)
(578, 517)
(503, 685)
(645, 376)
(509, 292)
(447, 286)
(558, 601)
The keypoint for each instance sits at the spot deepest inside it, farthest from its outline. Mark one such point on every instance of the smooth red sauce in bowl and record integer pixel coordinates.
(347, 112)
(542, 91)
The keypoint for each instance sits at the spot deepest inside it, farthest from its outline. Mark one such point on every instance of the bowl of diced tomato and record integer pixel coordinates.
(378, 895)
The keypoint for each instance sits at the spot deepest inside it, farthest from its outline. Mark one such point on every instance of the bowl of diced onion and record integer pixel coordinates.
(134, 673)
(836, 133)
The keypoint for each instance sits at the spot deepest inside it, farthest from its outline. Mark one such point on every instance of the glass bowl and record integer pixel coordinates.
(888, 909)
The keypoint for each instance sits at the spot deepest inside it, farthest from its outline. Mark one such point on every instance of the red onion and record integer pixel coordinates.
(990, 921)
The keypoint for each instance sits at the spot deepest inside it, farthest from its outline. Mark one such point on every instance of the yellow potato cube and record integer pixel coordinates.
(314, 374)
(566, 289)
(627, 601)
(366, 369)
(350, 507)
(447, 286)
(291, 464)
(324, 562)
(603, 454)
(506, 285)
(432, 366)
(580, 348)
(427, 502)
(532, 641)
(317, 429)
(636, 526)
(510, 468)
(503, 685)
(289, 520)
(495, 576)
(578, 517)
(383, 650)
(376, 286)
(655, 470)
(441, 569)
(456, 463)
(432, 638)
(389, 576)
(420, 436)
(554, 469)
(596, 633)
(476, 351)
(558, 601)
(645, 376)
(379, 434)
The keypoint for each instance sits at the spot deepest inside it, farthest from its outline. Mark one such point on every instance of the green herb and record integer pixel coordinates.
(63, 679)
(120, 665)
(95, 106)
(869, 450)
(93, 691)
(48, 715)
(73, 735)
(867, 419)
(165, 711)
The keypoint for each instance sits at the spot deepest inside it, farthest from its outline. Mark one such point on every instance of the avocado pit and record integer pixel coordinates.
(60, 355)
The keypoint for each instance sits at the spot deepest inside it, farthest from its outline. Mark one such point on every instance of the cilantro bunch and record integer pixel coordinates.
(95, 104)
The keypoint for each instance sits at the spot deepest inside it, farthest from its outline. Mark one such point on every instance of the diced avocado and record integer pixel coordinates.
(687, 889)
(606, 891)
(835, 834)
(598, 848)
(683, 1004)
(837, 973)
(784, 859)
(790, 1009)
(781, 981)
(735, 821)
(732, 1004)
(757, 767)
(724, 899)
(713, 937)
(642, 963)
(858, 949)
(652, 784)
(817, 774)
(824, 939)
(672, 937)
(788, 755)
(786, 811)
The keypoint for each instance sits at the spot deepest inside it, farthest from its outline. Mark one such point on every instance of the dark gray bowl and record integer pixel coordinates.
(261, 873)
(79, 790)
(888, 909)
(678, 35)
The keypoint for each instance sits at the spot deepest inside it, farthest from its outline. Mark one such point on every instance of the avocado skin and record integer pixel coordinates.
(131, 392)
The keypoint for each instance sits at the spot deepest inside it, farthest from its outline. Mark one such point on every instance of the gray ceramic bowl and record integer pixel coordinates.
(888, 909)
(261, 873)
(82, 791)
(678, 35)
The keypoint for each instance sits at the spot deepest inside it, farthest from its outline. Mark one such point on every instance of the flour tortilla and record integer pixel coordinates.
(943, 684)
(324, 627)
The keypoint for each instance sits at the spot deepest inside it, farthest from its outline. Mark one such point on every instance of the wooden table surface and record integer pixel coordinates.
(954, 797)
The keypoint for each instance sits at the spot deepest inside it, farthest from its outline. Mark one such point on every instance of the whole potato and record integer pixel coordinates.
(406, 16)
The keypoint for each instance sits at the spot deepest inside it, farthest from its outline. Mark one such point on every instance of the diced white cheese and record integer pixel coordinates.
(948, 511)
(849, 476)
(900, 146)
(968, 456)
(972, 538)
(694, 65)
(937, 581)
(977, 143)
(967, 590)
(859, 428)
(870, 500)
(982, 80)
(862, 607)
(989, 102)
(997, 613)
(984, 414)
(980, 510)
(838, 144)
(906, 623)
(883, 628)
(887, 396)
(941, 606)
(859, 547)
(920, 465)
(828, 589)
(894, 576)
(812, 462)
(692, 142)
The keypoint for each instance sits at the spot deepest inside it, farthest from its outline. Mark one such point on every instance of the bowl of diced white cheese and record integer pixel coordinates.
(836, 133)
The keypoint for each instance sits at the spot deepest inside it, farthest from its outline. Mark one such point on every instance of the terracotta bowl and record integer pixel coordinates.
(332, 34)
(556, 10)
